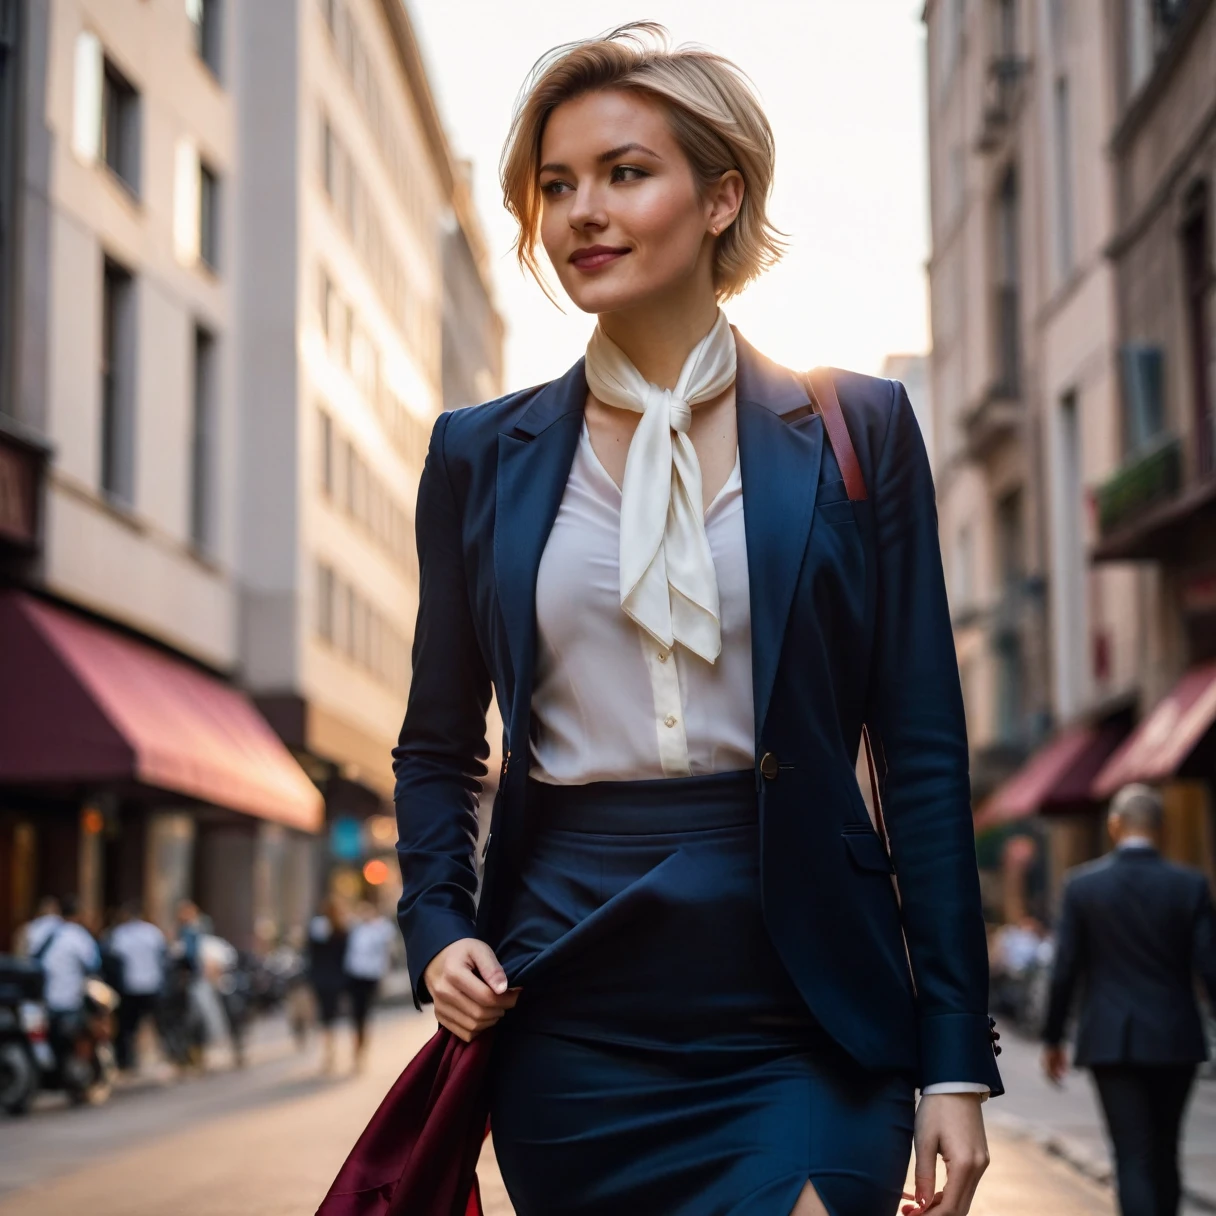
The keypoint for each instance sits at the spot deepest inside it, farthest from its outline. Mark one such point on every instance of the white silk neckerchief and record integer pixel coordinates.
(668, 582)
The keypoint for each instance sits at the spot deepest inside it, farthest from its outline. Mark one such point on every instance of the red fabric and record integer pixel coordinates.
(418, 1155)
(82, 703)
(1158, 746)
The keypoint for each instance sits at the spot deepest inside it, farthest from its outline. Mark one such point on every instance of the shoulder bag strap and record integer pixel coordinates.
(822, 392)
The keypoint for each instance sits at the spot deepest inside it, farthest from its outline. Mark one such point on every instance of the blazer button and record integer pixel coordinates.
(768, 766)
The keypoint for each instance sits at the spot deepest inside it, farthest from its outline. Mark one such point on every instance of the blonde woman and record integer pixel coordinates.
(687, 934)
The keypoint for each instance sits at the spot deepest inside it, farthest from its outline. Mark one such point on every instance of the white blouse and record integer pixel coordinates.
(611, 703)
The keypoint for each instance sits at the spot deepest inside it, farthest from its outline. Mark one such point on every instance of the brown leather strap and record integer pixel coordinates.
(823, 394)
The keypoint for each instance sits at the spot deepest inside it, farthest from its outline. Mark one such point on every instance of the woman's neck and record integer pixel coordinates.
(658, 335)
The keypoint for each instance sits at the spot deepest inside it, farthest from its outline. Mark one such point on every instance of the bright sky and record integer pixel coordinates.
(842, 83)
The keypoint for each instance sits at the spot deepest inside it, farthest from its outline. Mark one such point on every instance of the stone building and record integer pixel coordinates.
(130, 765)
(363, 306)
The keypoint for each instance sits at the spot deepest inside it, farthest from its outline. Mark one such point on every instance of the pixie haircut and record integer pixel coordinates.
(715, 117)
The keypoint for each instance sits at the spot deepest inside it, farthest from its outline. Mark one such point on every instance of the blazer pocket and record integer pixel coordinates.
(836, 512)
(867, 851)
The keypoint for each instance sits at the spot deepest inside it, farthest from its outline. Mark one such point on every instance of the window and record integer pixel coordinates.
(117, 365)
(326, 302)
(105, 120)
(325, 430)
(1070, 642)
(325, 602)
(120, 127)
(204, 16)
(329, 161)
(1064, 169)
(1143, 368)
(195, 209)
(202, 441)
(208, 217)
(964, 568)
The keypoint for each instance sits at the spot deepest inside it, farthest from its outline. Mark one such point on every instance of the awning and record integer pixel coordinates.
(1159, 745)
(1057, 777)
(81, 704)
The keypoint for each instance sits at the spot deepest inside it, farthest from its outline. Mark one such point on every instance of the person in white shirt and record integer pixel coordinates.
(69, 955)
(37, 931)
(139, 946)
(368, 948)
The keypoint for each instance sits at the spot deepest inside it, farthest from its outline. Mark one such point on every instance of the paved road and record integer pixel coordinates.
(269, 1140)
(1067, 1120)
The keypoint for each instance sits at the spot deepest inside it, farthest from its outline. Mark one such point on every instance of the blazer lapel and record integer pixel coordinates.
(779, 463)
(534, 460)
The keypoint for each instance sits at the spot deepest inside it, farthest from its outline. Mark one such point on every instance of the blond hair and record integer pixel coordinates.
(715, 117)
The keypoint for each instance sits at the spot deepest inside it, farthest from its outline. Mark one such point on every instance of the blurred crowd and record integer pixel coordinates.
(85, 1001)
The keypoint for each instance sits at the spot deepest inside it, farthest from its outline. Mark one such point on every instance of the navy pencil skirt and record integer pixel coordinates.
(660, 1061)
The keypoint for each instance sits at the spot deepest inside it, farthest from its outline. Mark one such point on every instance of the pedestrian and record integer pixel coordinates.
(688, 591)
(69, 954)
(368, 950)
(1135, 931)
(35, 933)
(139, 947)
(326, 973)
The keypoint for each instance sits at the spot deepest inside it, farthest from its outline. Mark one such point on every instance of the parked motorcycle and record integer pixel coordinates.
(71, 1053)
(25, 1052)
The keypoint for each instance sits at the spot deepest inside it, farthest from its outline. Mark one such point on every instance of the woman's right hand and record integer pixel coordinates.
(469, 987)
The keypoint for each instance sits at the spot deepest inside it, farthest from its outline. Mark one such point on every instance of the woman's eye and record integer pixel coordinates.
(553, 187)
(634, 172)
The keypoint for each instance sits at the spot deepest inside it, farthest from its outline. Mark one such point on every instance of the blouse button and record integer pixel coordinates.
(663, 659)
(670, 720)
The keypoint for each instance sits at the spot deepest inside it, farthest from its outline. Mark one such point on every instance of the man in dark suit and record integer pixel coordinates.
(1135, 931)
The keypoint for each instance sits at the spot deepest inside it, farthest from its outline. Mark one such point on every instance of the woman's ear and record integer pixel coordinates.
(725, 198)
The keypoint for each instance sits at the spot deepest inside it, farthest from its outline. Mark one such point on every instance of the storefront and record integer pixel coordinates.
(1043, 820)
(126, 772)
(1174, 748)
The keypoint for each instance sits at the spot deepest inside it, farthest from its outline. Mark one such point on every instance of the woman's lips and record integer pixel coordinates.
(593, 259)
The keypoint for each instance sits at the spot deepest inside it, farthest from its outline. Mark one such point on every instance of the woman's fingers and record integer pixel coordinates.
(486, 963)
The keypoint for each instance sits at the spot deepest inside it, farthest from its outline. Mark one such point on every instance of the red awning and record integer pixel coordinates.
(1159, 745)
(80, 703)
(1057, 776)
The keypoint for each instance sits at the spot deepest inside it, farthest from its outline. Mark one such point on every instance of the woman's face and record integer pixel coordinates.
(623, 221)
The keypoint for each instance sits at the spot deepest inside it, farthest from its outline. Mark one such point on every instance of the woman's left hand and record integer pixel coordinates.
(950, 1126)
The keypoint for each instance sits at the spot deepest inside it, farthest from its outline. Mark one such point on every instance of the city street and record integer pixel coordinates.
(269, 1139)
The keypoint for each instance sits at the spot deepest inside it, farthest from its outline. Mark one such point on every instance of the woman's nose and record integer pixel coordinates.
(587, 209)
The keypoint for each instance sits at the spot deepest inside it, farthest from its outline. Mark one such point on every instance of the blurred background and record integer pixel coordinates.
(250, 249)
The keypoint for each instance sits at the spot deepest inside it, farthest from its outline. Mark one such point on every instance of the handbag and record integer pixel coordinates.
(418, 1155)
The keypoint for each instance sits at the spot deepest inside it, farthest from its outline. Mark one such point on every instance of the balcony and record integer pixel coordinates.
(1147, 512)
(992, 421)
(1004, 88)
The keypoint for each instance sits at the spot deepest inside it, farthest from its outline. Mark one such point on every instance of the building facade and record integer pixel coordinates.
(363, 307)
(131, 766)
(1070, 283)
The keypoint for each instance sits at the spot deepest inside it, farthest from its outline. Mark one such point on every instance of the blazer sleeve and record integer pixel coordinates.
(440, 755)
(1065, 969)
(915, 707)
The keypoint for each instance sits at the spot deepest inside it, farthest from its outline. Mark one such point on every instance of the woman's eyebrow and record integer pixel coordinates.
(603, 158)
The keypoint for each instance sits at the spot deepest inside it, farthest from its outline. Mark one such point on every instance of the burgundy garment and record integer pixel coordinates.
(418, 1155)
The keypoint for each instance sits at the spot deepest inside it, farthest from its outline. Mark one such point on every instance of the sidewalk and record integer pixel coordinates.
(1068, 1123)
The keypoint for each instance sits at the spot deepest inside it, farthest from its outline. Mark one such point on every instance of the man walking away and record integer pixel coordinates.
(35, 934)
(1135, 930)
(69, 955)
(140, 948)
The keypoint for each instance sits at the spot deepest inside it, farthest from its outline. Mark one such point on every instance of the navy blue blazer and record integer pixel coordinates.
(849, 625)
(1135, 931)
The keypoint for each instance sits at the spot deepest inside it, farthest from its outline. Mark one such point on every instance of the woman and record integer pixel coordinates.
(326, 971)
(687, 933)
